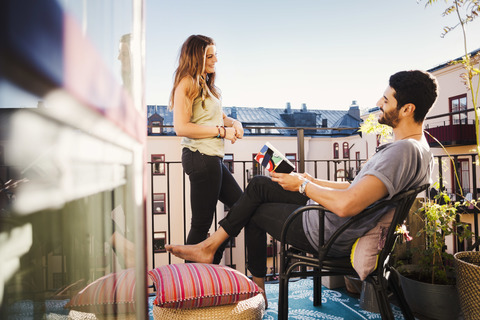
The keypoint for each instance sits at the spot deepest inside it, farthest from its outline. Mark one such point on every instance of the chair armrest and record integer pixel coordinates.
(295, 214)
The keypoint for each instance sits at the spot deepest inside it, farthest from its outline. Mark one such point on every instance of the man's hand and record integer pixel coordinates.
(290, 182)
(307, 176)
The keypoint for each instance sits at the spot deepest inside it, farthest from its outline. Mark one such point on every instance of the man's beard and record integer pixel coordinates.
(390, 119)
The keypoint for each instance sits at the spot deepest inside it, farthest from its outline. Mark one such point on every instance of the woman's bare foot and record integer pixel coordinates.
(261, 283)
(197, 252)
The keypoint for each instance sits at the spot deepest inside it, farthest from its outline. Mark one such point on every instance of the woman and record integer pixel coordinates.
(199, 119)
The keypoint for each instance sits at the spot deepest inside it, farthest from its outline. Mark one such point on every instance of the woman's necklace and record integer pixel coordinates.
(415, 134)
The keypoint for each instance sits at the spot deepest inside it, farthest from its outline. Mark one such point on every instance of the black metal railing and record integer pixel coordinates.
(325, 169)
(243, 173)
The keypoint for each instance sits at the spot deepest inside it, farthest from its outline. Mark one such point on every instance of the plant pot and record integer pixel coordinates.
(467, 269)
(435, 301)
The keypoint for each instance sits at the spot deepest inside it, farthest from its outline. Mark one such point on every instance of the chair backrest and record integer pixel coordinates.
(402, 202)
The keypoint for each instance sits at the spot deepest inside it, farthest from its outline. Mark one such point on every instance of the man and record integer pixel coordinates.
(266, 203)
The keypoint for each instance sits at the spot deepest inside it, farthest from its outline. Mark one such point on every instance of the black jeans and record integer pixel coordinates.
(263, 208)
(210, 181)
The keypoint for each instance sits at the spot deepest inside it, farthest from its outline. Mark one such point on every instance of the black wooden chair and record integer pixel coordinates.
(322, 265)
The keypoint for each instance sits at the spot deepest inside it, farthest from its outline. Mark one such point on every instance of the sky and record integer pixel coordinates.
(318, 52)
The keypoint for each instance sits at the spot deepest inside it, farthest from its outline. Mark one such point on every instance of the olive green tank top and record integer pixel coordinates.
(211, 115)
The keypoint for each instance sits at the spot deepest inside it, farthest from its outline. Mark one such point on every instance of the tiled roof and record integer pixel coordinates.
(273, 117)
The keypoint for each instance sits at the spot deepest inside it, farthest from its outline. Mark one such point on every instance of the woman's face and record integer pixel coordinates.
(210, 59)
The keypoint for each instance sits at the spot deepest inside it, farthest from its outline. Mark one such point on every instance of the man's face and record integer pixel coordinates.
(388, 106)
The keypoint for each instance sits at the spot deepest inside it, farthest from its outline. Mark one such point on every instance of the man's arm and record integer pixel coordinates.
(326, 183)
(343, 202)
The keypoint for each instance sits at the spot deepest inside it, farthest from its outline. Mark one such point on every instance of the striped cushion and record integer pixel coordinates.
(110, 294)
(194, 285)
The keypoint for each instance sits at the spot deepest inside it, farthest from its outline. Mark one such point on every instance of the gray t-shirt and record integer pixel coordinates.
(400, 165)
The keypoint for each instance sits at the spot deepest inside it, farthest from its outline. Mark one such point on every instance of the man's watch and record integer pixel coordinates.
(302, 187)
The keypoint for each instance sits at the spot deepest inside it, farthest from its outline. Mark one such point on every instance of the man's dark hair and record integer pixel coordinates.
(417, 87)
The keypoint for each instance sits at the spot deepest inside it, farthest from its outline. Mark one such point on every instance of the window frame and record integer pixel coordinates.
(158, 161)
(161, 194)
(457, 119)
(346, 150)
(336, 150)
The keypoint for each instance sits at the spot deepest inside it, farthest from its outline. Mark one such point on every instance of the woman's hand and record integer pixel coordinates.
(237, 125)
(230, 134)
(290, 182)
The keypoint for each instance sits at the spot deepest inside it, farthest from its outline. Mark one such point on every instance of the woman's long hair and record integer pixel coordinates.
(191, 65)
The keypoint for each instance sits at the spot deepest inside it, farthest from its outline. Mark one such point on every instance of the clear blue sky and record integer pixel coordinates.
(322, 53)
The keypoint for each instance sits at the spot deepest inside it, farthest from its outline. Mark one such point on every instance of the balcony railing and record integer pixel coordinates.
(325, 169)
(451, 129)
(319, 168)
(452, 135)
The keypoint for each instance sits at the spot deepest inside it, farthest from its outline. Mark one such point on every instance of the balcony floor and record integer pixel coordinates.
(336, 304)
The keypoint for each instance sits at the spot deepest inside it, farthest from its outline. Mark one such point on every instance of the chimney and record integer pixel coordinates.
(304, 107)
(354, 110)
(233, 113)
(289, 108)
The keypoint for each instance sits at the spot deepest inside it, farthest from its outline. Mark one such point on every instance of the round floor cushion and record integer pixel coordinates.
(249, 309)
(77, 315)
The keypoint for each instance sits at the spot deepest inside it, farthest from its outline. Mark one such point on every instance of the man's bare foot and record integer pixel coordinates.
(196, 252)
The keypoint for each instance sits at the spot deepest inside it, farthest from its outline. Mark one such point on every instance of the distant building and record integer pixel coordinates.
(327, 121)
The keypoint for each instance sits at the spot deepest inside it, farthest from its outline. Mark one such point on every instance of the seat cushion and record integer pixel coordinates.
(364, 254)
(195, 285)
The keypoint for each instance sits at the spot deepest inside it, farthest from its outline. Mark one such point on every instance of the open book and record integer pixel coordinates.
(274, 160)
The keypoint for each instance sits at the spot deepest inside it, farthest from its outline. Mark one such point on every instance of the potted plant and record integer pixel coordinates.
(426, 271)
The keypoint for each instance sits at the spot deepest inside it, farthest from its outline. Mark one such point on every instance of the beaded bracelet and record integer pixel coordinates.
(218, 135)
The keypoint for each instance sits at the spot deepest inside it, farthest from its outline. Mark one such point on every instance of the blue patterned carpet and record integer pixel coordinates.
(336, 304)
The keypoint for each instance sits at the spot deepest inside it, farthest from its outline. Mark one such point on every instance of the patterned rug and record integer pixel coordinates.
(336, 304)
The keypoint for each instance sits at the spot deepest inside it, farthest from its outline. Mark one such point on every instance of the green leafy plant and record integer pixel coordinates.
(371, 126)
(440, 220)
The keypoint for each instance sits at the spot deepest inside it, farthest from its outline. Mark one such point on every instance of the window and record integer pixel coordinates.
(228, 160)
(346, 151)
(156, 127)
(340, 175)
(292, 157)
(159, 239)
(159, 203)
(270, 130)
(464, 175)
(335, 150)
(458, 104)
(158, 161)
